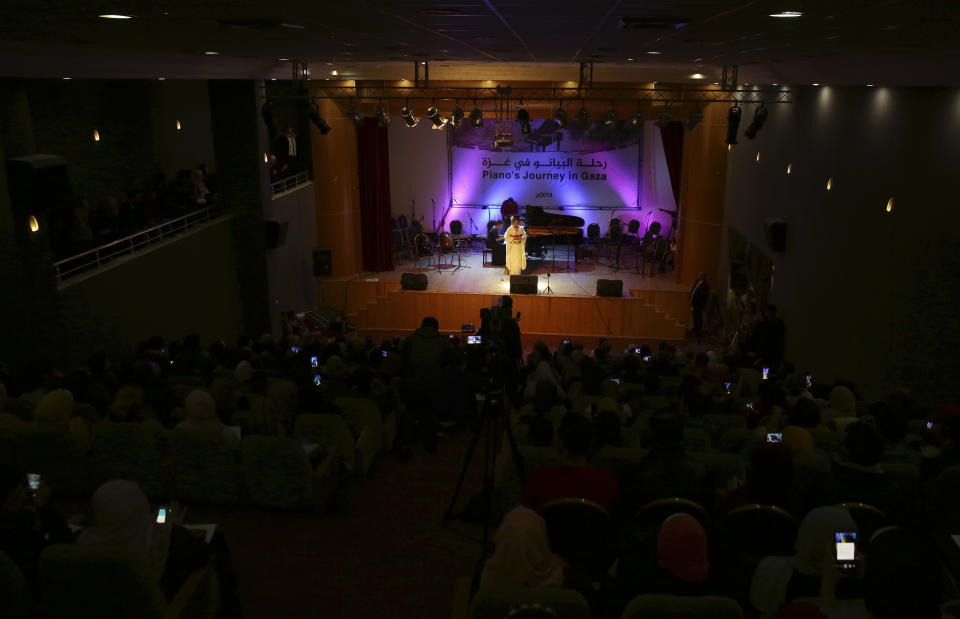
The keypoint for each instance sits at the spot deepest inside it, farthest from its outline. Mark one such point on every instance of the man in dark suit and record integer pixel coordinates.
(698, 301)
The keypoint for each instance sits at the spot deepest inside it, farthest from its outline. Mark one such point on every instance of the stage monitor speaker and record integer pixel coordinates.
(322, 263)
(609, 287)
(776, 230)
(413, 281)
(523, 284)
(274, 233)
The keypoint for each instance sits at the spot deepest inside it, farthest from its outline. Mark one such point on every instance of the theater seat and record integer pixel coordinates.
(127, 451)
(681, 607)
(502, 601)
(581, 531)
(203, 467)
(279, 474)
(15, 600)
(52, 453)
(328, 430)
(366, 422)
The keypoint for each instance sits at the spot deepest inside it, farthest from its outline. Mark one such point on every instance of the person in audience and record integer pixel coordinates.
(769, 337)
(938, 459)
(543, 374)
(769, 479)
(540, 433)
(666, 471)
(778, 580)
(28, 521)
(859, 476)
(683, 567)
(698, 302)
(423, 352)
(55, 411)
(843, 406)
(572, 478)
(607, 424)
(893, 426)
(799, 441)
(201, 414)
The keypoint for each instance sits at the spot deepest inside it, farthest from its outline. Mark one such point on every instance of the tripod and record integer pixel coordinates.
(548, 289)
(492, 416)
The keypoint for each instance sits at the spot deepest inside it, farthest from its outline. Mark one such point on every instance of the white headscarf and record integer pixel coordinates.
(543, 372)
(522, 555)
(122, 519)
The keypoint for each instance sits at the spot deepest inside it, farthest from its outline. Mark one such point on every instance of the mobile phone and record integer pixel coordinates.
(774, 437)
(846, 549)
(766, 374)
(317, 379)
(314, 362)
(648, 358)
(453, 336)
(750, 405)
(616, 380)
(294, 349)
(566, 341)
(638, 351)
(728, 387)
(473, 339)
(383, 353)
(162, 515)
(33, 483)
(929, 425)
(808, 379)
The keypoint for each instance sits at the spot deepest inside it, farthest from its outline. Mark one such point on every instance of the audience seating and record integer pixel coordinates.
(366, 422)
(869, 519)
(8, 449)
(746, 534)
(279, 473)
(127, 451)
(52, 453)
(203, 468)
(86, 412)
(654, 606)
(511, 488)
(727, 422)
(736, 440)
(696, 441)
(655, 512)
(500, 601)
(328, 430)
(579, 531)
(15, 602)
(716, 469)
(616, 459)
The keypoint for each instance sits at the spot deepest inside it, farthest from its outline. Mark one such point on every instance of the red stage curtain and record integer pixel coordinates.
(672, 136)
(374, 165)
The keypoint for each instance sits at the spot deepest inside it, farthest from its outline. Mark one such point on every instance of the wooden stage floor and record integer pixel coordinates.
(651, 309)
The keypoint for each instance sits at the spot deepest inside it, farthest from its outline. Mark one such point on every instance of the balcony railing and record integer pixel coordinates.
(291, 182)
(93, 258)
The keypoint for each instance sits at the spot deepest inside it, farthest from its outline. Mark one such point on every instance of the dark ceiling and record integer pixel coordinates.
(837, 42)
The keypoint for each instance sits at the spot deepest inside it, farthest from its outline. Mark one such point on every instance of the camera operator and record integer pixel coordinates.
(423, 352)
(499, 328)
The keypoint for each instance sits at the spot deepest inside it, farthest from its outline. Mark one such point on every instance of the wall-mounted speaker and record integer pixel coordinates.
(322, 263)
(413, 281)
(523, 284)
(609, 287)
(776, 230)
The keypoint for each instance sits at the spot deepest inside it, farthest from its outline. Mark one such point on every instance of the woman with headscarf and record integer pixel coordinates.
(54, 411)
(543, 373)
(843, 405)
(769, 479)
(202, 416)
(778, 580)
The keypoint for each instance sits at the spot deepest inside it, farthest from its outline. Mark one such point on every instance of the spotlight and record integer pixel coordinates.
(733, 124)
(609, 117)
(759, 117)
(35, 225)
(665, 119)
(693, 120)
(561, 117)
(355, 115)
(383, 116)
(406, 112)
(636, 121)
(524, 117)
(433, 113)
(456, 117)
(584, 117)
(476, 118)
(317, 120)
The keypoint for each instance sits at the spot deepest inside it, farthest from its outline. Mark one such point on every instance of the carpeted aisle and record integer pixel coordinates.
(382, 553)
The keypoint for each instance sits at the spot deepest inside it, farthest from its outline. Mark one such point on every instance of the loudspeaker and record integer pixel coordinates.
(776, 230)
(413, 281)
(523, 284)
(609, 287)
(322, 262)
(274, 233)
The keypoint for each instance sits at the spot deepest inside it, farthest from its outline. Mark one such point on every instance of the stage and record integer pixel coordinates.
(652, 308)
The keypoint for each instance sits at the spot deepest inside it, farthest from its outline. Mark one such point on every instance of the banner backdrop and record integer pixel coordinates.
(604, 178)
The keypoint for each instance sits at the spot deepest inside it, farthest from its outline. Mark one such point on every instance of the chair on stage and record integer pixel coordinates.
(447, 246)
(459, 238)
(400, 245)
(422, 248)
(633, 229)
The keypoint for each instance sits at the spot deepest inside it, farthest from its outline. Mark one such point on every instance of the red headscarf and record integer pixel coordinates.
(682, 548)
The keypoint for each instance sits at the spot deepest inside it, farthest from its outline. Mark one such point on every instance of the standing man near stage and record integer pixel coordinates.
(698, 301)
(515, 239)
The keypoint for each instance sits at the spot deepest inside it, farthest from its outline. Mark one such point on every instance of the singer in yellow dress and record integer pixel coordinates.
(516, 240)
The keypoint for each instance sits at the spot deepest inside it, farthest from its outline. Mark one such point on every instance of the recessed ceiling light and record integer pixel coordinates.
(774, 84)
(283, 59)
(212, 53)
(870, 85)
(716, 83)
(66, 78)
(111, 16)
(653, 53)
(815, 84)
(697, 76)
(273, 79)
(697, 59)
(334, 72)
(630, 59)
(162, 79)
(787, 14)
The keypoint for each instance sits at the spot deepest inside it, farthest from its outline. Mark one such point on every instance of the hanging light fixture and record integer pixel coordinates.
(636, 120)
(759, 118)
(733, 123)
(665, 119)
(456, 117)
(178, 126)
(584, 117)
(406, 113)
(610, 116)
(693, 120)
(890, 205)
(561, 117)
(789, 168)
(355, 115)
(433, 113)
(524, 117)
(96, 135)
(476, 117)
(383, 116)
(829, 184)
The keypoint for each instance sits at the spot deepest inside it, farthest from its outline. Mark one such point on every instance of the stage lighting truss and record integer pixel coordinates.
(693, 120)
(383, 116)
(355, 115)
(406, 113)
(665, 119)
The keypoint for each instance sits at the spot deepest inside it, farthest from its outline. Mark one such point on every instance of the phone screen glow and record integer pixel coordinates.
(846, 546)
(161, 515)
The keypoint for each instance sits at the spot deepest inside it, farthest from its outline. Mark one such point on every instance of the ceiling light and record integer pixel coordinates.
(584, 117)
(406, 112)
(34, 224)
(733, 124)
(609, 117)
(693, 120)
(829, 184)
(789, 168)
(334, 72)
(355, 115)
(283, 59)
(630, 59)
(111, 16)
(178, 126)
(266, 158)
(758, 156)
(814, 84)
(787, 14)
(653, 53)
(456, 117)
(162, 79)
(383, 116)
(524, 117)
(96, 135)
(665, 119)
(273, 79)
(561, 117)
(697, 76)
(636, 120)
(889, 205)
(433, 113)
(476, 118)
(318, 120)
(212, 53)
(759, 118)
(66, 78)
(870, 85)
